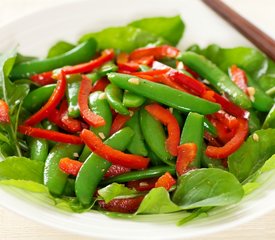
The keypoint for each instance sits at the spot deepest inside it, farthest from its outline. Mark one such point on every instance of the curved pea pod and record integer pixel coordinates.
(36, 98)
(154, 136)
(192, 132)
(154, 159)
(180, 119)
(216, 77)
(81, 53)
(132, 100)
(86, 183)
(163, 94)
(260, 100)
(39, 149)
(137, 175)
(114, 96)
(54, 178)
(254, 122)
(69, 188)
(270, 119)
(137, 145)
(72, 91)
(209, 127)
(50, 126)
(99, 105)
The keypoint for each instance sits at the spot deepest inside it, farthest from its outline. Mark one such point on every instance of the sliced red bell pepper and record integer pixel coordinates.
(228, 120)
(72, 124)
(238, 76)
(211, 140)
(143, 184)
(106, 56)
(116, 170)
(4, 112)
(164, 79)
(148, 60)
(70, 166)
(119, 122)
(91, 118)
(157, 52)
(43, 78)
(232, 145)
(124, 205)
(167, 118)
(100, 85)
(186, 154)
(124, 65)
(51, 104)
(166, 181)
(49, 135)
(112, 155)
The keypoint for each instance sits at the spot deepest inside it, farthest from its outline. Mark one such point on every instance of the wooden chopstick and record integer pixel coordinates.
(250, 31)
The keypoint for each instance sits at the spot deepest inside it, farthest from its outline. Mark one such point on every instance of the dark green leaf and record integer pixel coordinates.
(267, 81)
(252, 154)
(207, 188)
(59, 48)
(170, 28)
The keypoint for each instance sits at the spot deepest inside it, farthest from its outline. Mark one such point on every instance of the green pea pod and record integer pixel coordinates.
(209, 127)
(163, 94)
(107, 68)
(180, 119)
(261, 102)
(36, 98)
(39, 149)
(69, 188)
(54, 178)
(192, 132)
(94, 168)
(93, 76)
(132, 100)
(254, 122)
(154, 136)
(50, 126)
(114, 96)
(270, 119)
(154, 159)
(72, 98)
(137, 145)
(81, 53)
(99, 105)
(216, 77)
(137, 175)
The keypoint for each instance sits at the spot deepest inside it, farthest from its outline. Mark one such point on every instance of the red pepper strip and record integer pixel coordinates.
(209, 95)
(232, 145)
(100, 85)
(53, 101)
(118, 123)
(106, 56)
(148, 60)
(211, 140)
(112, 155)
(70, 166)
(143, 184)
(193, 73)
(228, 120)
(43, 78)
(186, 154)
(156, 52)
(124, 65)
(116, 170)
(164, 79)
(238, 76)
(166, 181)
(167, 118)
(49, 135)
(72, 124)
(4, 112)
(88, 116)
(125, 205)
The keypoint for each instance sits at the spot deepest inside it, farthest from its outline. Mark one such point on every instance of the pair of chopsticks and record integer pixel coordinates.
(250, 31)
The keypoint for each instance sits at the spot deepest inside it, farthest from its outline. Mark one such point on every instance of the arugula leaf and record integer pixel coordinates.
(207, 188)
(157, 201)
(20, 168)
(114, 190)
(123, 38)
(170, 28)
(252, 154)
(59, 48)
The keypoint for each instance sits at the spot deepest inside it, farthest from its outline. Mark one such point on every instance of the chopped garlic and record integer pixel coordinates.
(101, 135)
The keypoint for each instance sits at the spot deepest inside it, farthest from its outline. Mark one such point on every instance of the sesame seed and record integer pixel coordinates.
(255, 137)
(143, 184)
(171, 110)
(251, 92)
(101, 135)
(131, 113)
(134, 81)
(180, 66)
(76, 155)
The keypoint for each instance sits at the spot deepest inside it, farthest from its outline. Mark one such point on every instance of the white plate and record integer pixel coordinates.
(36, 32)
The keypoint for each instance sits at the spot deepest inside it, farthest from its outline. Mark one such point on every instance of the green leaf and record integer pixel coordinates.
(252, 154)
(207, 187)
(122, 38)
(170, 28)
(157, 201)
(22, 58)
(26, 185)
(114, 190)
(59, 48)
(267, 81)
(3, 138)
(20, 168)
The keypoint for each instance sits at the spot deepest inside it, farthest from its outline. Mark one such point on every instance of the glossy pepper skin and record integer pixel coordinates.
(54, 178)
(86, 183)
(81, 53)
(216, 77)
(163, 94)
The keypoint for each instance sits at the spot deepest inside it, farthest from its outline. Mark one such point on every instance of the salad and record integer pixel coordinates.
(125, 123)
